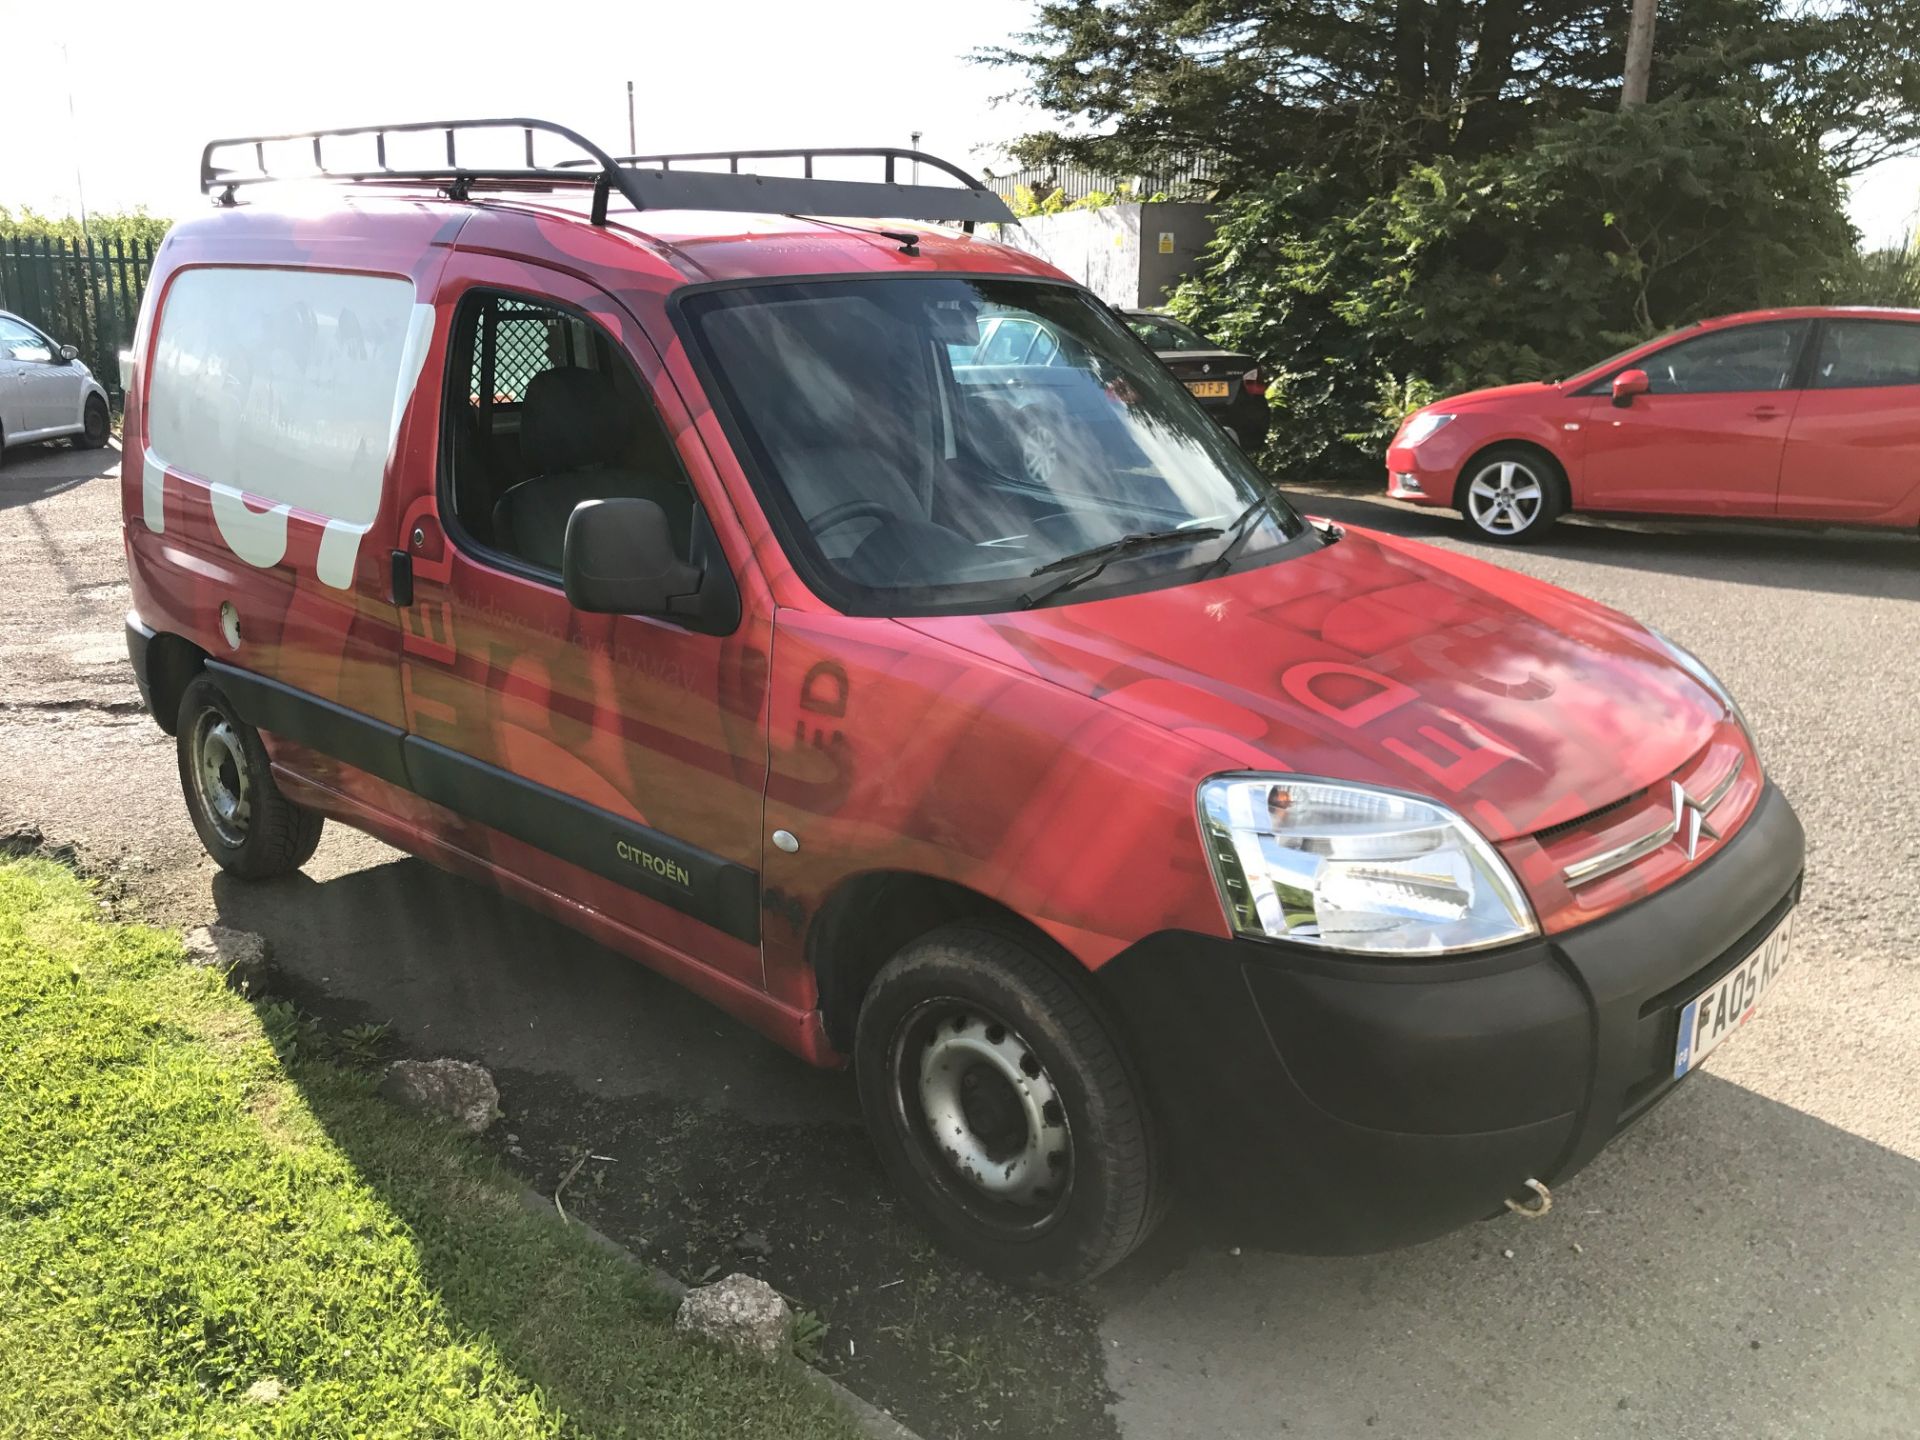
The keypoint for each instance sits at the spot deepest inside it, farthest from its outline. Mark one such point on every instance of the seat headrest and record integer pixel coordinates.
(570, 420)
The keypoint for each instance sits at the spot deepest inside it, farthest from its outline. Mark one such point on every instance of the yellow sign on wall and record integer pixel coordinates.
(1166, 242)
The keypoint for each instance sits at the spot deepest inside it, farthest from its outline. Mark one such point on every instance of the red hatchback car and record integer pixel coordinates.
(1809, 415)
(673, 568)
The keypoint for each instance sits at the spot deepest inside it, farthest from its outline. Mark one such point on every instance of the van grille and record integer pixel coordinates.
(1567, 827)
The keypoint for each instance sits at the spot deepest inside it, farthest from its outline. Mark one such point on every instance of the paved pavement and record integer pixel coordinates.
(1744, 1263)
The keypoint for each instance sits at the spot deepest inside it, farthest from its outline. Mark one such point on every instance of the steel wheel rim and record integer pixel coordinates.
(989, 1118)
(96, 412)
(1505, 497)
(220, 783)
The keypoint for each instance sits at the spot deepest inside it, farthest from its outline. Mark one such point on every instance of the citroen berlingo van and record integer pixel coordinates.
(652, 539)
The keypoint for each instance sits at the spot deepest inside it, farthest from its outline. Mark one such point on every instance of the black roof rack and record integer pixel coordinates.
(647, 182)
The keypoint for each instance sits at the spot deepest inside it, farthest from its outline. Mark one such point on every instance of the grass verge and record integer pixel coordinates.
(207, 1229)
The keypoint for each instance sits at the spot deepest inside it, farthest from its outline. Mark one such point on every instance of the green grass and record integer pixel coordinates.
(184, 1213)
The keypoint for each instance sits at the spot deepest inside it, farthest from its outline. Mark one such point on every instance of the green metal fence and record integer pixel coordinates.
(83, 293)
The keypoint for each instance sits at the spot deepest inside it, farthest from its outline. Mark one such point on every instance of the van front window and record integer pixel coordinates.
(939, 445)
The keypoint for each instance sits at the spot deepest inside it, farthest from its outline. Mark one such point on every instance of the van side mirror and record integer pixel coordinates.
(1627, 384)
(618, 559)
(68, 354)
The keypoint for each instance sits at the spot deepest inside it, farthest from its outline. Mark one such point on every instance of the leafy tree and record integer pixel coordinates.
(1521, 265)
(122, 225)
(1889, 276)
(1371, 86)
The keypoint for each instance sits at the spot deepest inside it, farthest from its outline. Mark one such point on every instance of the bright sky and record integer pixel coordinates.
(152, 82)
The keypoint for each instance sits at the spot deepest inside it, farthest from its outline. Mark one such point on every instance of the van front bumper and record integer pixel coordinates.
(1329, 1103)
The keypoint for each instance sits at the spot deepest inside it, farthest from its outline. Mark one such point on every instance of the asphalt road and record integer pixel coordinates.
(1745, 1263)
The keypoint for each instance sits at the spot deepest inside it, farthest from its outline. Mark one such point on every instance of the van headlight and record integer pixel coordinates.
(1354, 868)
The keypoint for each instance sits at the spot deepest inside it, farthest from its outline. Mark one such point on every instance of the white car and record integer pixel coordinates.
(45, 392)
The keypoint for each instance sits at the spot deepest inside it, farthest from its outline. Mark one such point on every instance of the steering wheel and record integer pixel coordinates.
(847, 511)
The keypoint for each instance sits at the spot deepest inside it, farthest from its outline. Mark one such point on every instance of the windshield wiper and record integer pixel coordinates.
(1238, 532)
(1094, 559)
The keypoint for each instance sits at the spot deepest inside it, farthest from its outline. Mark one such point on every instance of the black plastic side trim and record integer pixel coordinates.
(360, 740)
(706, 886)
(139, 640)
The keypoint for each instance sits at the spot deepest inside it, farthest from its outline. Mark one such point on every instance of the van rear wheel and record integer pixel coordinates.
(1003, 1108)
(247, 825)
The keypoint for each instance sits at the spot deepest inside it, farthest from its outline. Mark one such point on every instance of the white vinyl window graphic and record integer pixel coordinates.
(286, 386)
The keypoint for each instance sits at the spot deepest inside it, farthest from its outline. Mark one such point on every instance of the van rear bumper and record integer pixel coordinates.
(1331, 1104)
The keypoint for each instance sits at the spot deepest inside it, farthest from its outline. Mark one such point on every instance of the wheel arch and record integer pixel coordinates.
(1556, 473)
(172, 662)
(868, 918)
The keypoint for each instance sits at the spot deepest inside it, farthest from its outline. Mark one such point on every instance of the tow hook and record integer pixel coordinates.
(1540, 1202)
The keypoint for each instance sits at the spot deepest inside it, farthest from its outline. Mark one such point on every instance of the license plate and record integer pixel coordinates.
(1209, 389)
(1724, 1007)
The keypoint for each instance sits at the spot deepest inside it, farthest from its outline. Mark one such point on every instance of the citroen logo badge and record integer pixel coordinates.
(1690, 821)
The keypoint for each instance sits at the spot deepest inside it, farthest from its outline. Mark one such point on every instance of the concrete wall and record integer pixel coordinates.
(1116, 251)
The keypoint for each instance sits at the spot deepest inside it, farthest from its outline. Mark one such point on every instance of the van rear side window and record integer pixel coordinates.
(286, 384)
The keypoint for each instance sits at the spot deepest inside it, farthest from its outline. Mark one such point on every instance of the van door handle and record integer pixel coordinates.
(1766, 412)
(402, 578)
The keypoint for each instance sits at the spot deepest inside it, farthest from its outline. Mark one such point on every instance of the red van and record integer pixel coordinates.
(643, 538)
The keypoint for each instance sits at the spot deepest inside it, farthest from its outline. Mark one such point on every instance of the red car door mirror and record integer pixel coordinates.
(1627, 384)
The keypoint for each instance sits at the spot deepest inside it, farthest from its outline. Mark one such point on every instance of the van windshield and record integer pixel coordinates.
(927, 444)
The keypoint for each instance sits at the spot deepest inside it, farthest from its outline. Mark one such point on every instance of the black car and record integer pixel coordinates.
(1227, 382)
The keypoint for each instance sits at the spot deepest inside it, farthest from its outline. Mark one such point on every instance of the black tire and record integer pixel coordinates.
(1074, 1161)
(262, 833)
(1494, 490)
(99, 425)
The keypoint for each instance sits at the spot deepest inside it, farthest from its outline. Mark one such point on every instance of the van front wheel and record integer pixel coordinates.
(1003, 1108)
(247, 825)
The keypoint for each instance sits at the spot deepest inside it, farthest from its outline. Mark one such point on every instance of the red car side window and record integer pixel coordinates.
(1743, 358)
(1859, 354)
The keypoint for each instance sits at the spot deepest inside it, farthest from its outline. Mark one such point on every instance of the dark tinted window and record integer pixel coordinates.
(1746, 357)
(1161, 333)
(921, 462)
(1859, 353)
(554, 415)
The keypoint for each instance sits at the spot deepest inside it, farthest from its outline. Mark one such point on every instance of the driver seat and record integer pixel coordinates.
(573, 433)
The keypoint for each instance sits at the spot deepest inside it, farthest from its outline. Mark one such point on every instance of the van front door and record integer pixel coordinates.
(617, 762)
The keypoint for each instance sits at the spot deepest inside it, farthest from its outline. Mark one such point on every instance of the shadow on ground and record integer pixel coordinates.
(1731, 1267)
(698, 1145)
(1841, 562)
(36, 472)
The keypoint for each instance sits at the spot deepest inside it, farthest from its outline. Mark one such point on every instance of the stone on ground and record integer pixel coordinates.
(739, 1311)
(458, 1089)
(240, 955)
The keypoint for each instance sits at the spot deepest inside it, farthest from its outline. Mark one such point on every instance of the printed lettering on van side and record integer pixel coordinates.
(659, 865)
